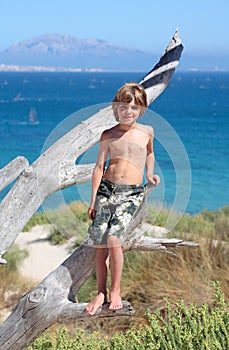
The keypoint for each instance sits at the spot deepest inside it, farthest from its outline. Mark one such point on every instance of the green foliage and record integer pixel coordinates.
(14, 257)
(88, 291)
(12, 285)
(207, 222)
(39, 218)
(191, 327)
(56, 237)
(219, 220)
(67, 222)
(181, 328)
(156, 217)
(194, 224)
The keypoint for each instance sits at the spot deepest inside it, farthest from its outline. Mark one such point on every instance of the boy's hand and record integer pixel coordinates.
(154, 179)
(91, 213)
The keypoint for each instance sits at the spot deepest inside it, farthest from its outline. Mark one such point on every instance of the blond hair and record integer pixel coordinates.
(128, 93)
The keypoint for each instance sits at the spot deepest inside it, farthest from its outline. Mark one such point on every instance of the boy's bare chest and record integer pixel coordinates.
(127, 147)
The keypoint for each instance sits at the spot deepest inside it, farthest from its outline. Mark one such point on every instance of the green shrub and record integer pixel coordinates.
(156, 217)
(220, 221)
(207, 222)
(191, 327)
(39, 218)
(179, 328)
(14, 257)
(67, 222)
(56, 237)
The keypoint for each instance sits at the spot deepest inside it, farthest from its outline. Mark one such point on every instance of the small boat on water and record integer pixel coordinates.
(33, 116)
(17, 98)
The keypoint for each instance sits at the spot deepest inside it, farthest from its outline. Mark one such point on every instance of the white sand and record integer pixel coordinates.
(43, 257)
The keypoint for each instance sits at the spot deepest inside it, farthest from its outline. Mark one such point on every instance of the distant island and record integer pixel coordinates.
(57, 50)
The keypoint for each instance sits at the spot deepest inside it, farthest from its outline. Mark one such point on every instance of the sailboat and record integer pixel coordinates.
(17, 97)
(33, 116)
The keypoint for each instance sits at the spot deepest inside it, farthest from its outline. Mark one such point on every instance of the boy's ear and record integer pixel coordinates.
(114, 106)
(142, 111)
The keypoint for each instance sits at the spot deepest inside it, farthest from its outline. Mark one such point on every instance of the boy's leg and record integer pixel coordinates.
(101, 255)
(116, 265)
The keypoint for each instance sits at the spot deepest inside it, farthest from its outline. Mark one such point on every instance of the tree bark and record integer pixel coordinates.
(53, 300)
(12, 170)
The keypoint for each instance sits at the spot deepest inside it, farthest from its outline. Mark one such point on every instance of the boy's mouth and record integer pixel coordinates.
(127, 118)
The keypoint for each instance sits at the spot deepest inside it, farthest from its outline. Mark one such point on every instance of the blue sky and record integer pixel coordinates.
(144, 24)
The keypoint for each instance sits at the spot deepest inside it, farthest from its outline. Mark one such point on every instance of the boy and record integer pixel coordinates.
(117, 191)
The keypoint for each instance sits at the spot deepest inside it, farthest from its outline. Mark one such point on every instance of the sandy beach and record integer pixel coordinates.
(43, 256)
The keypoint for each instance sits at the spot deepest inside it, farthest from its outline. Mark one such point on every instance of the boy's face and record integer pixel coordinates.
(128, 113)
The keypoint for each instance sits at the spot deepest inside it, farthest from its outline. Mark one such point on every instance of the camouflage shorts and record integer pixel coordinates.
(115, 207)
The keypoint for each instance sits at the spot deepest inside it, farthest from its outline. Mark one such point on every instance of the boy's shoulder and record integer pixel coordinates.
(113, 131)
(108, 132)
(146, 128)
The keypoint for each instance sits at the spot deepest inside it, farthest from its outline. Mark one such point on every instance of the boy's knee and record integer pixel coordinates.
(113, 241)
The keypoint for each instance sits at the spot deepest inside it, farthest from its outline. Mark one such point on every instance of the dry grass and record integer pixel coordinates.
(12, 286)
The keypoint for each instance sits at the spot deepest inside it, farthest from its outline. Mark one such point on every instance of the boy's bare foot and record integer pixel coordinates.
(115, 301)
(95, 304)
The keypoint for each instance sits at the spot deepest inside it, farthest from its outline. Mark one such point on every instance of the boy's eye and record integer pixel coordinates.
(124, 107)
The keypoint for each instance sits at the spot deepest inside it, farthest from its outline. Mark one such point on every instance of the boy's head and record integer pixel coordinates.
(128, 93)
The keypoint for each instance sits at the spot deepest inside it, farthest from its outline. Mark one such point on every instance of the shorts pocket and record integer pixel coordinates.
(104, 191)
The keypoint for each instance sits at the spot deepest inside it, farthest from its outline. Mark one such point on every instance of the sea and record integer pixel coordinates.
(190, 119)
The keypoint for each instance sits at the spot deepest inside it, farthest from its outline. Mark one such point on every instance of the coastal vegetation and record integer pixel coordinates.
(180, 299)
(181, 327)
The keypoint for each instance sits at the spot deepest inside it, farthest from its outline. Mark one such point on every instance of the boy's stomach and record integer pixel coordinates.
(124, 172)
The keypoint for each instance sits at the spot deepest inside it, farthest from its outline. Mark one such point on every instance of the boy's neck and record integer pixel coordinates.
(125, 127)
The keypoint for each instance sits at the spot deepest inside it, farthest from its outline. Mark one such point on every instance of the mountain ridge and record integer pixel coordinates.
(55, 42)
(65, 50)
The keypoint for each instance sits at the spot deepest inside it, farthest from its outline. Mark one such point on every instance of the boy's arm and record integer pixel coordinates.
(98, 172)
(150, 161)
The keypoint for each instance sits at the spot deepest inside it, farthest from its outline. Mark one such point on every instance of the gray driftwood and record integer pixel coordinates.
(12, 170)
(53, 300)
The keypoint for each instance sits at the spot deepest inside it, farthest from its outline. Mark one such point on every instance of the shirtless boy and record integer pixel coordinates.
(117, 192)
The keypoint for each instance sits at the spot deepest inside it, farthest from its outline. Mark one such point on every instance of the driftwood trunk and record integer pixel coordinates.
(53, 299)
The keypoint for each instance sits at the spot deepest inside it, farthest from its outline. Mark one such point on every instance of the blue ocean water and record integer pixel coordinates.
(190, 119)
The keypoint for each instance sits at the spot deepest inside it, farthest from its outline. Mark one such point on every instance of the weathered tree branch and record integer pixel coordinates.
(157, 80)
(12, 170)
(161, 244)
(71, 311)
